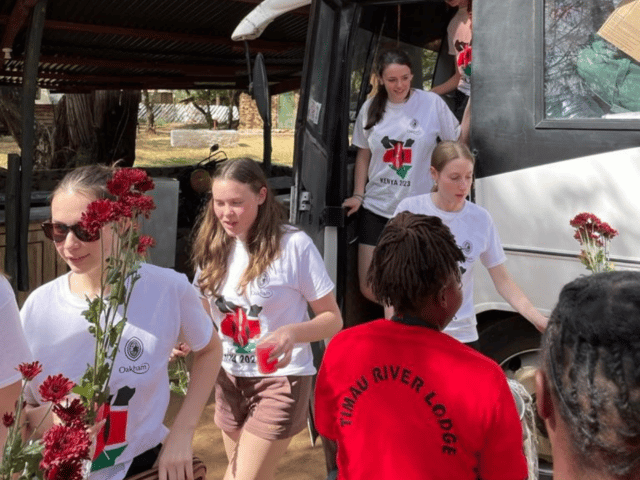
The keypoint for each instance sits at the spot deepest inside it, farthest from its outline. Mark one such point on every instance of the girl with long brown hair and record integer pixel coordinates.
(257, 275)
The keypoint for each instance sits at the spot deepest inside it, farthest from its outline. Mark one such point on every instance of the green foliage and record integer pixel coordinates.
(179, 376)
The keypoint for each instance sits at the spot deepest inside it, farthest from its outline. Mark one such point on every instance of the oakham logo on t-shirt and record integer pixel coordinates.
(398, 155)
(133, 349)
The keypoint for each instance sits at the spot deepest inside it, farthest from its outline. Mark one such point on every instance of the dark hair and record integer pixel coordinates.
(377, 106)
(212, 245)
(591, 354)
(414, 260)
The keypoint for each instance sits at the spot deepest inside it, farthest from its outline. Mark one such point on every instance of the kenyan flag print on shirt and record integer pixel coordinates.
(111, 441)
(398, 155)
(240, 325)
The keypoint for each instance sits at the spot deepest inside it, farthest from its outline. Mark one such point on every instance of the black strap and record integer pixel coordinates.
(144, 461)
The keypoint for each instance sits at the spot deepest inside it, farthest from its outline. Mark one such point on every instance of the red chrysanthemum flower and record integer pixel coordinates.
(64, 470)
(72, 412)
(584, 219)
(126, 180)
(139, 204)
(64, 443)
(8, 419)
(30, 370)
(55, 388)
(99, 213)
(607, 231)
(144, 243)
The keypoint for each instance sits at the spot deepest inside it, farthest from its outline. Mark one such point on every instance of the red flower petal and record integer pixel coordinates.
(55, 388)
(30, 370)
(8, 419)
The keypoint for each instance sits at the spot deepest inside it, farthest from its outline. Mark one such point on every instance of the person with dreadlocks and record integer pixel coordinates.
(588, 386)
(395, 395)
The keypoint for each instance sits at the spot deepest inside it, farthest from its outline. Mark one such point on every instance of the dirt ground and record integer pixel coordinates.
(302, 461)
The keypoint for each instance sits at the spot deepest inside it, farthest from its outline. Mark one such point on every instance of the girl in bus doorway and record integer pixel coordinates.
(256, 275)
(452, 172)
(395, 132)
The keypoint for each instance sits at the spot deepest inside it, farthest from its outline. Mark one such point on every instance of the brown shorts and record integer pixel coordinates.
(272, 408)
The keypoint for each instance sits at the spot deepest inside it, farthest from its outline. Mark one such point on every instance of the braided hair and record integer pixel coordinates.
(414, 259)
(591, 354)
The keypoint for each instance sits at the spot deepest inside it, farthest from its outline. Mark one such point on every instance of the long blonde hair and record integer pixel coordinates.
(212, 245)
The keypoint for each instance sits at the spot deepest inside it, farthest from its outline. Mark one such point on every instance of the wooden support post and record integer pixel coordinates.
(29, 86)
(12, 219)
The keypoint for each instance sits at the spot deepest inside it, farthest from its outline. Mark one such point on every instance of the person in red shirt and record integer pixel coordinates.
(401, 398)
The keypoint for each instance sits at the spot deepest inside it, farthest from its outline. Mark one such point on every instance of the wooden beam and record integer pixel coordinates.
(258, 44)
(15, 22)
(204, 70)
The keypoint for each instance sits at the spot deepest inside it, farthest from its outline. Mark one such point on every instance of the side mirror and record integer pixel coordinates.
(261, 89)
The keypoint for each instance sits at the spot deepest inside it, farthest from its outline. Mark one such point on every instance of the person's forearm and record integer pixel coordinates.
(324, 325)
(39, 419)
(449, 86)
(511, 292)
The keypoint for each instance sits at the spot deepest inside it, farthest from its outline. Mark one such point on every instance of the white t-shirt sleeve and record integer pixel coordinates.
(196, 326)
(12, 341)
(494, 253)
(360, 139)
(449, 125)
(312, 278)
(406, 205)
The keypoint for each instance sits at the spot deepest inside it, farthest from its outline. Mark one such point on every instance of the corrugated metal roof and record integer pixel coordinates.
(97, 44)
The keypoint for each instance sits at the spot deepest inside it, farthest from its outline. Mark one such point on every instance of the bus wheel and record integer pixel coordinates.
(514, 344)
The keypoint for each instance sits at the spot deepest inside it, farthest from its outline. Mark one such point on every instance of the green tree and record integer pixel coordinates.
(205, 100)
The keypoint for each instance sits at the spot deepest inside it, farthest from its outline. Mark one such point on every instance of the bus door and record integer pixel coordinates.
(320, 143)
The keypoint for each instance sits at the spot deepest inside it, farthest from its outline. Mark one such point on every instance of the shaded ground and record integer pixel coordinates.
(301, 462)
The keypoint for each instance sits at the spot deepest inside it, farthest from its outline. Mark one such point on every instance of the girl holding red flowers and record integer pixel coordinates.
(475, 233)
(257, 275)
(14, 351)
(163, 309)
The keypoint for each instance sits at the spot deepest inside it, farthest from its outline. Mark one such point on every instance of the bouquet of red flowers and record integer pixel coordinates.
(64, 448)
(594, 235)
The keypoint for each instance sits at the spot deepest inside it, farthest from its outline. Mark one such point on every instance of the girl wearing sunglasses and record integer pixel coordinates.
(163, 310)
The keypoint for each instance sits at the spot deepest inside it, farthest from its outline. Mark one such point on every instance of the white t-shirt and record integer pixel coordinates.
(163, 307)
(459, 36)
(277, 297)
(478, 238)
(401, 145)
(12, 342)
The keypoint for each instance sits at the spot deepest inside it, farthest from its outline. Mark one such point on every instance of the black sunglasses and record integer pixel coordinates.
(58, 232)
